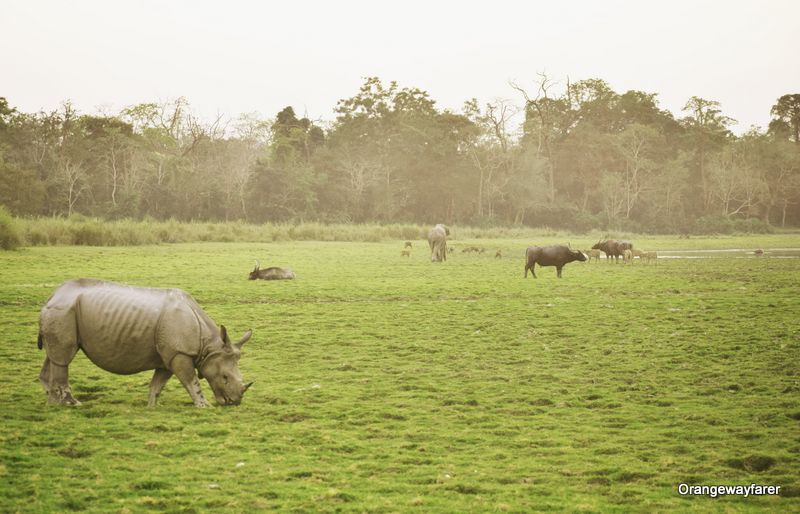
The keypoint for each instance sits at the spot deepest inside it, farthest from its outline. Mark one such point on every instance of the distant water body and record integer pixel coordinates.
(731, 253)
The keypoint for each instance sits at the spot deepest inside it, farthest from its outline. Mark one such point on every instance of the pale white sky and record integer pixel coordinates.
(244, 56)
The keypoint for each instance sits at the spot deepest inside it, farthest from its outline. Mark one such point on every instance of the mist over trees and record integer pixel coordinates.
(584, 157)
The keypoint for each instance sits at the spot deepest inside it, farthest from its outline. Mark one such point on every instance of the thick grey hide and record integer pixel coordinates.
(437, 240)
(125, 329)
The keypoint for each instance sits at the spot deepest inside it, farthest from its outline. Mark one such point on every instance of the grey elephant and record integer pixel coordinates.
(437, 239)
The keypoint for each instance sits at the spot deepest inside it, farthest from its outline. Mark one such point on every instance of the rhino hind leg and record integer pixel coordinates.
(160, 378)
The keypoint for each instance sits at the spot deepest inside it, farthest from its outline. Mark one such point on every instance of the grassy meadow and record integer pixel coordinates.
(391, 384)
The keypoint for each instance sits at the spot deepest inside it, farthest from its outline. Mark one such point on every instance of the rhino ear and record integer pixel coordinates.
(244, 339)
(223, 333)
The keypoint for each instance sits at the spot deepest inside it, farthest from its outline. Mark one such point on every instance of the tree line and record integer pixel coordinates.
(585, 157)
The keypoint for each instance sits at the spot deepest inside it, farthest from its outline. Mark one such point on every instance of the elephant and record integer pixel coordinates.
(437, 239)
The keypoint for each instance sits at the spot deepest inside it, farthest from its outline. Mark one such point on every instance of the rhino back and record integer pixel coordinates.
(117, 326)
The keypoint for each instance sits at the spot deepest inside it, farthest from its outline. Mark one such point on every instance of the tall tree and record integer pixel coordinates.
(393, 146)
(634, 145)
(283, 181)
(492, 151)
(708, 131)
(736, 184)
(786, 114)
(547, 120)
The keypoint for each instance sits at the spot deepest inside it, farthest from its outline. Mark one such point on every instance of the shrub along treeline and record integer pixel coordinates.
(585, 158)
(80, 230)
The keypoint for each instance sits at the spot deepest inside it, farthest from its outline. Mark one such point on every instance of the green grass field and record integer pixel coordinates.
(389, 384)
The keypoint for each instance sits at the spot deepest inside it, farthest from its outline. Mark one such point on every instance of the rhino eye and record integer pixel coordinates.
(225, 378)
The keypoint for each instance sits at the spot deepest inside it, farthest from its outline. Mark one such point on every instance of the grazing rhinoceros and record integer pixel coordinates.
(125, 330)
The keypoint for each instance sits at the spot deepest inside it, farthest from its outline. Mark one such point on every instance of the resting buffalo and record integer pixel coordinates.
(437, 240)
(272, 273)
(556, 255)
(125, 330)
(613, 248)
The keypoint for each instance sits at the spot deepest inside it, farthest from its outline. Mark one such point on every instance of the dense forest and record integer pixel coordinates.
(584, 157)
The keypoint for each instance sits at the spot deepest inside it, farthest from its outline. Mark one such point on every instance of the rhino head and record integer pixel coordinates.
(221, 369)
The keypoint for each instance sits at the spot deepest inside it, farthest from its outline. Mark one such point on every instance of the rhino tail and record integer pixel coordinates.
(40, 341)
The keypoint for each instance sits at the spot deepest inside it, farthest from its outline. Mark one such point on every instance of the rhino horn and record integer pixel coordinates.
(244, 339)
(246, 387)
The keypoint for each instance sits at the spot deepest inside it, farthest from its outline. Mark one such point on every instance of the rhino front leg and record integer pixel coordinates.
(160, 378)
(59, 338)
(59, 391)
(183, 367)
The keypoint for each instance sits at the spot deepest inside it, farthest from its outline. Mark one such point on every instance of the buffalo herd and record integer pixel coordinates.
(613, 248)
(554, 255)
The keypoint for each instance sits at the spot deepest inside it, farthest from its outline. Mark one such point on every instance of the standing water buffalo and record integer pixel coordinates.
(125, 330)
(272, 273)
(437, 239)
(613, 248)
(556, 255)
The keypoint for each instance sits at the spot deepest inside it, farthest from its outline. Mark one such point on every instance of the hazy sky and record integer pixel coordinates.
(247, 56)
